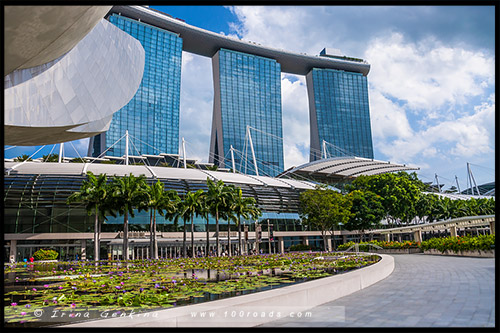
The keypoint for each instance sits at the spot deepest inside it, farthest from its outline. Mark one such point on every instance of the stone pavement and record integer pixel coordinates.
(422, 291)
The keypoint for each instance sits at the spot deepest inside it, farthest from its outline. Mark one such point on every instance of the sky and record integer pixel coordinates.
(431, 82)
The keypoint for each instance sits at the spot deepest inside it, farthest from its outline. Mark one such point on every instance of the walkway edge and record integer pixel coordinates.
(296, 298)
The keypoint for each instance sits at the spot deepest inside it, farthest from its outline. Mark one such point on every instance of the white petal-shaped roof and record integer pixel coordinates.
(188, 174)
(345, 167)
(75, 96)
(35, 35)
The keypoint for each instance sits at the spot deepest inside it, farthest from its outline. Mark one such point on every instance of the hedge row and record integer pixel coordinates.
(300, 247)
(364, 246)
(456, 244)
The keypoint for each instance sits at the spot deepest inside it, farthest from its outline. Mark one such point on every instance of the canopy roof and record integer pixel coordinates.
(47, 168)
(341, 168)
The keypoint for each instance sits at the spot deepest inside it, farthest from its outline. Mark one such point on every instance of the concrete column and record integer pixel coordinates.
(281, 244)
(83, 249)
(453, 231)
(13, 250)
(399, 238)
(387, 237)
(344, 239)
(305, 240)
(492, 227)
(417, 236)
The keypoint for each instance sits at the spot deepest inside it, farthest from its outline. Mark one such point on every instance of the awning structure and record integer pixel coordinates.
(342, 168)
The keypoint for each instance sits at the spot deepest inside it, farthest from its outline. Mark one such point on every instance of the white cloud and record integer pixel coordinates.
(295, 121)
(467, 137)
(387, 118)
(422, 93)
(196, 105)
(427, 75)
(431, 84)
(279, 27)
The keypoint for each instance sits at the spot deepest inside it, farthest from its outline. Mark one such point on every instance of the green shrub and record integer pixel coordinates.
(300, 247)
(45, 254)
(364, 246)
(457, 244)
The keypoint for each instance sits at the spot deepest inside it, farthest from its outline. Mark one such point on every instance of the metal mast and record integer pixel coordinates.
(253, 152)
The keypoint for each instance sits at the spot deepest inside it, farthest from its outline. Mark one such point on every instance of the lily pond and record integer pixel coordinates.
(49, 294)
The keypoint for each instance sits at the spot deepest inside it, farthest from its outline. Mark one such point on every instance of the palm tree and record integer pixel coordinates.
(77, 160)
(50, 158)
(128, 192)
(243, 207)
(22, 158)
(94, 193)
(217, 200)
(172, 205)
(157, 203)
(255, 213)
(229, 215)
(191, 206)
(206, 213)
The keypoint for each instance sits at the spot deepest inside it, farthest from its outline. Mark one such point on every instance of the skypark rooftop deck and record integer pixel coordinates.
(207, 43)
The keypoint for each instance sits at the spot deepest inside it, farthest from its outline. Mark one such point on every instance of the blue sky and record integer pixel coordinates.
(431, 84)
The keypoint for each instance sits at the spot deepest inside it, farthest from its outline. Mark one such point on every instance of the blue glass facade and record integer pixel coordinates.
(247, 92)
(152, 116)
(340, 113)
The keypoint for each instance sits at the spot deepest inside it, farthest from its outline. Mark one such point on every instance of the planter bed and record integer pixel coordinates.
(476, 253)
(398, 251)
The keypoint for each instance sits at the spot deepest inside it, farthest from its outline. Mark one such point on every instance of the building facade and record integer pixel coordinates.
(339, 114)
(152, 116)
(36, 213)
(247, 105)
(247, 98)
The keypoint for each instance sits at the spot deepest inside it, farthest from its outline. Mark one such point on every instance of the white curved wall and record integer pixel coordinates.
(77, 96)
(35, 35)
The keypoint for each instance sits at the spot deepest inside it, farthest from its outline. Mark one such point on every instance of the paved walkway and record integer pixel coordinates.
(422, 291)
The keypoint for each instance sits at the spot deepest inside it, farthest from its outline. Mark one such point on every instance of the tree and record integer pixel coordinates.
(229, 215)
(212, 167)
(77, 160)
(157, 202)
(191, 205)
(172, 205)
(424, 207)
(243, 207)
(452, 189)
(441, 209)
(23, 158)
(50, 158)
(218, 199)
(205, 212)
(94, 193)
(254, 213)
(128, 192)
(399, 192)
(324, 209)
(367, 211)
